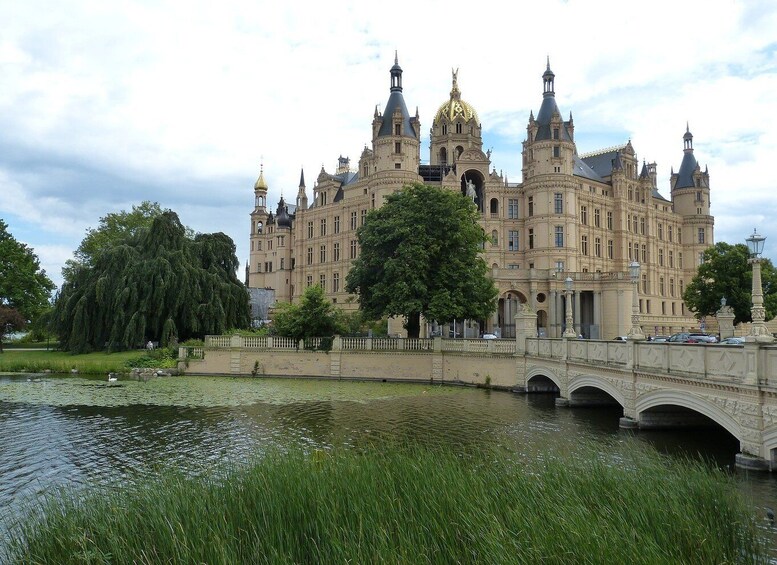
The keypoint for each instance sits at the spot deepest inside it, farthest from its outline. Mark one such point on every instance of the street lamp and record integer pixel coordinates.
(758, 330)
(635, 333)
(570, 329)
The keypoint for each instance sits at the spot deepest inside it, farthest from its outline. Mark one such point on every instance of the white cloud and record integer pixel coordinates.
(103, 105)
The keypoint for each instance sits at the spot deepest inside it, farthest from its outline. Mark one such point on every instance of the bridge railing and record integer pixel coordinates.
(384, 344)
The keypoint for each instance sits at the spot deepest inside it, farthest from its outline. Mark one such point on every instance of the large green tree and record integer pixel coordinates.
(24, 286)
(313, 316)
(155, 284)
(726, 273)
(420, 256)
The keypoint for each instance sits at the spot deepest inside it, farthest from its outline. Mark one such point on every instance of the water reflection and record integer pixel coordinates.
(66, 431)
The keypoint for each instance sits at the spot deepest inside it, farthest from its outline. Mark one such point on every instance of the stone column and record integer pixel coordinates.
(725, 317)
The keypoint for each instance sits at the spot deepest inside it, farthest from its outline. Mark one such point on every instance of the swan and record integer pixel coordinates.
(112, 377)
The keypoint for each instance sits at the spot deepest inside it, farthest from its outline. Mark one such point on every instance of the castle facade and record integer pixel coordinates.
(584, 217)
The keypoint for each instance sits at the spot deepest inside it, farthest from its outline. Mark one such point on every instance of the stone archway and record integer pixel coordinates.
(473, 187)
(507, 307)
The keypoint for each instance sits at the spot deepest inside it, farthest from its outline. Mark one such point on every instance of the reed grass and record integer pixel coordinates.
(408, 505)
(30, 361)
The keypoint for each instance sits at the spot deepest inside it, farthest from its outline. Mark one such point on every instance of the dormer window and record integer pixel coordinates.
(555, 133)
(445, 129)
(458, 128)
(397, 129)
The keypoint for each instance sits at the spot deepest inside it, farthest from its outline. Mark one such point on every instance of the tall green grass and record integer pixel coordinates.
(408, 505)
(87, 363)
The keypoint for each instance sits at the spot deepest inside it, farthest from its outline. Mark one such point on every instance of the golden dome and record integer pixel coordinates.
(260, 182)
(456, 107)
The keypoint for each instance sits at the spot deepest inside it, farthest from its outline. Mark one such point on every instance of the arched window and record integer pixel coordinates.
(494, 207)
(494, 238)
(443, 156)
(458, 128)
(459, 150)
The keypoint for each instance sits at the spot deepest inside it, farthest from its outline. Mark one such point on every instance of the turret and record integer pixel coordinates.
(302, 197)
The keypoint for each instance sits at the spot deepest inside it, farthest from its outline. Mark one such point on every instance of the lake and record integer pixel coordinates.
(76, 431)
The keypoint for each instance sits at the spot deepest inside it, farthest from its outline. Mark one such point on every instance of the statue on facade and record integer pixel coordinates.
(471, 190)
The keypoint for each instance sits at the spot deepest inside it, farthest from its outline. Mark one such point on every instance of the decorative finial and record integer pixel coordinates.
(548, 66)
(396, 57)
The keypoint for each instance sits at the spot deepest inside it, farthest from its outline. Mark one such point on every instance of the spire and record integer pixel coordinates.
(396, 75)
(687, 139)
(302, 178)
(644, 173)
(547, 81)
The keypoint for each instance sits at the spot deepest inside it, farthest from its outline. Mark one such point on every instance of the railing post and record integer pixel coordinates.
(368, 343)
(269, 342)
(236, 341)
(337, 343)
(437, 344)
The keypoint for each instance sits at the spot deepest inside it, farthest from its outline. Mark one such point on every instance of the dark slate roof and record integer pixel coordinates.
(602, 163)
(396, 100)
(547, 109)
(583, 170)
(687, 167)
(339, 196)
(657, 195)
(347, 178)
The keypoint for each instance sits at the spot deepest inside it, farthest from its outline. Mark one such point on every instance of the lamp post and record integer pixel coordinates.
(635, 333)
(758, 330)
(570, 323)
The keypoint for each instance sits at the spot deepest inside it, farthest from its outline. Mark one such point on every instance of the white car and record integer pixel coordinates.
(489, 336)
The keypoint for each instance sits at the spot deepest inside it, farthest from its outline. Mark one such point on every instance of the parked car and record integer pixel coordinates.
(692, 337)
(620, 338)
(489, 336)
(661, 338)
(733, 341)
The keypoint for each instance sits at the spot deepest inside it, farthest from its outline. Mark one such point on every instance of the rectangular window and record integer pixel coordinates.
(353, 220)
(671, 258)
(353, 249)
(512, 209)
(269, 244)
(631, 257)
(671, 288)
(258, 245)
(598, 247)
(322, 254)
(283, 262)
(669, 232)
(531, 238)
(322, 231)
(628, 223)
(609, 220)
(661, 232)
(584, 245)
(531, 205)
(559, 266)
(701, 235)
(597, 218)
(609, 249)
(397, 129)
(337, 224)
(512, 240)
(310, 230)
(309, 280)
(513, 266)
(559, 236)
(336, 251)
(644, 284)
(680, 260)
(364, 216)
(397, 147)
(660, 257)
(642, 226)
(584, 215)
(558, 203)
(557, 151)
(661, 286)
(644, 253)
(310, 255)
(322, 281)
(335, 282)
(679, 235)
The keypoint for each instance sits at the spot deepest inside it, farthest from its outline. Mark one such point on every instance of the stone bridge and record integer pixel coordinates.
(665, 385)
(656, 384)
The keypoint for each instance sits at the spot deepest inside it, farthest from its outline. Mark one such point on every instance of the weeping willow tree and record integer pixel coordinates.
(158, 285)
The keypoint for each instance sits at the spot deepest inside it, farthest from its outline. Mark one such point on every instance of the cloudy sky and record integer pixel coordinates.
(106, 104)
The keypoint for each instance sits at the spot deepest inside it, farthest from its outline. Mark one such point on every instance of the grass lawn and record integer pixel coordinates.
(21, 360)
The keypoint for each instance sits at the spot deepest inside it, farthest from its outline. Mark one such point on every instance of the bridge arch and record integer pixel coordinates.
(590, 381)
(544, 372)
(691, 402)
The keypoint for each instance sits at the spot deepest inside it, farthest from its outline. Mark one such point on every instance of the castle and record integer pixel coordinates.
(584, 217)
